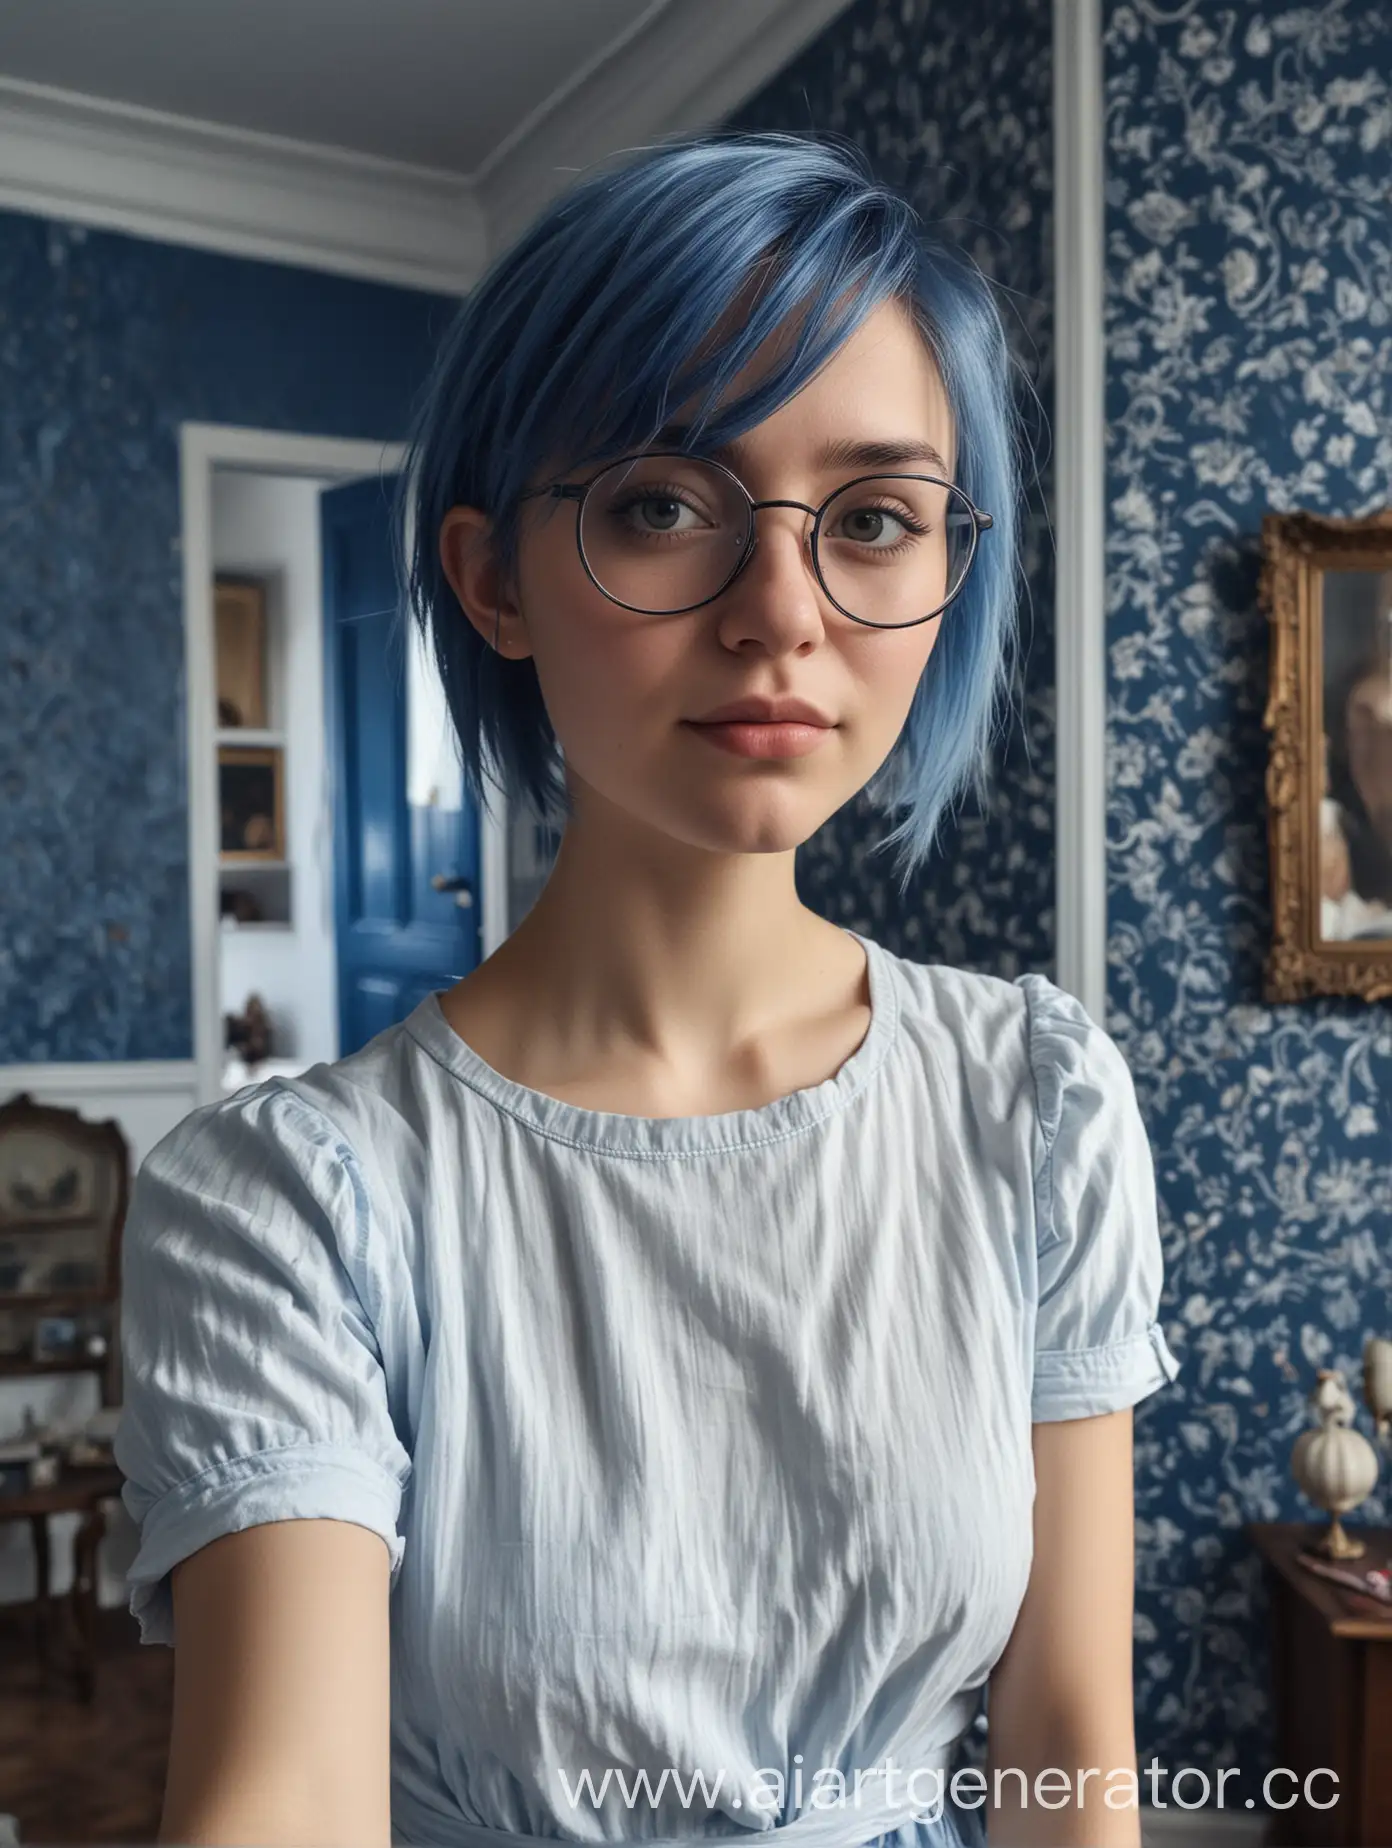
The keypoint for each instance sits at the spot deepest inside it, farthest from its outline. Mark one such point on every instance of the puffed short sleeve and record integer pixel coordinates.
(1098, 1344)
(254, 1388)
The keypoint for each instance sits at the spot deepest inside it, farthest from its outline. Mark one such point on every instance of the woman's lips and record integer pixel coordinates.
(756, 738)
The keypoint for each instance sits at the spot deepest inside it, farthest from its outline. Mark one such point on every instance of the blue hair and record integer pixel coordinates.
(575, 347)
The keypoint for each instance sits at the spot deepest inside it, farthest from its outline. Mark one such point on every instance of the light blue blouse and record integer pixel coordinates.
(699, 1444)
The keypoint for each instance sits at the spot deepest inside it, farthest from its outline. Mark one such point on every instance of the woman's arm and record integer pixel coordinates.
(281, 1690)
(1061, 1696)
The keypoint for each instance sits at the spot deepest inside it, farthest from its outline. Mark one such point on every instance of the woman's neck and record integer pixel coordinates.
(671, 984)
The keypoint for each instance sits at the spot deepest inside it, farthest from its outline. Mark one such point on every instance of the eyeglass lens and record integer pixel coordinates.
(662, 534)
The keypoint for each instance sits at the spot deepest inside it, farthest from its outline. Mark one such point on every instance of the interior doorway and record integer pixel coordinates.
(337, 867)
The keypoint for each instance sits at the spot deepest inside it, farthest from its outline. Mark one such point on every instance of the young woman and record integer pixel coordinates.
(716, 1333)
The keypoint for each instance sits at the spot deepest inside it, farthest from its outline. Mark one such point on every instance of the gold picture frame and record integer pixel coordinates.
(1326, 587)
(251, 803)
(239, 616)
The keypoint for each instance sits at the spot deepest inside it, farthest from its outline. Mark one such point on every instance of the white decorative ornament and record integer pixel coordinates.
(1334, 1465)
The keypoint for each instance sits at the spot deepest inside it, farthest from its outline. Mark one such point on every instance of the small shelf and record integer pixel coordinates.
(267, 884)
(23, 1366)
(253, 739)
(27, 1302)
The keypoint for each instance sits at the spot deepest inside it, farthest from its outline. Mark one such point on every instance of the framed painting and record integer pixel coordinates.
(251, 801)
(1327, 592)
(239, 611)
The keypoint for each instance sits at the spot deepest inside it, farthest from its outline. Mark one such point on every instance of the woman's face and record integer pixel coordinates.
(1370, 748)
(624, 690)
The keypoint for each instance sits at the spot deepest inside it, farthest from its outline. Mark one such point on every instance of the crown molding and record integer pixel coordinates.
(693, 63)
(683, 66)
(121, 168)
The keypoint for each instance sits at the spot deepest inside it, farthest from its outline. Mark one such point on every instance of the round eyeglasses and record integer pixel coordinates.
(665, 532)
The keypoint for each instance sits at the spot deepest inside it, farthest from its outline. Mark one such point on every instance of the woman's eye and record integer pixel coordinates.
(661, 513)
(874, 526)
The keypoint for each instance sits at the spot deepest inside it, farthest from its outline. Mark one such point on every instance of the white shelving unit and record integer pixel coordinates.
(269, 883)
(252, 739)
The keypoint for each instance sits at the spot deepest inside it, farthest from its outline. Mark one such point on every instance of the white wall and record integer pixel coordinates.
(268, 526)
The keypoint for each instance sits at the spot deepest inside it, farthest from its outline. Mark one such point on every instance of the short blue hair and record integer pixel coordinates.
(577, 344)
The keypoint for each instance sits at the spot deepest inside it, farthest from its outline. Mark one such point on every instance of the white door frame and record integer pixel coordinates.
(1080, 521)
(202, 448)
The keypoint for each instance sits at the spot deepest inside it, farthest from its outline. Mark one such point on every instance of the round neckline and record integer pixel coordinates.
(660, 1138)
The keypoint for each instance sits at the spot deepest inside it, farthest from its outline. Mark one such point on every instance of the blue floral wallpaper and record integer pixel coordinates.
(107, 344)
(954, 107)
(1249, 342)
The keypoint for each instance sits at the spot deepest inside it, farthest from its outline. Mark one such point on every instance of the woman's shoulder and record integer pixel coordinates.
(382, 1093)
(1021, 1031)
(339, 1133)
(330, 1164)
(985, 1009)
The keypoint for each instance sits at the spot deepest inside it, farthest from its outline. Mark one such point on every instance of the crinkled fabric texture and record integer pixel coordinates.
(699, 1442)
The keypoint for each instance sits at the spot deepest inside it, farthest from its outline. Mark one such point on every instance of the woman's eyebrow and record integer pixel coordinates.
(880, 453)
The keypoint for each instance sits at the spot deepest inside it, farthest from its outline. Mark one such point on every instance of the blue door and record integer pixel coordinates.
(406, 837)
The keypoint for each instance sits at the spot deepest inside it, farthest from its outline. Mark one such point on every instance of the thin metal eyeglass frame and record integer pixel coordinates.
(578, 491)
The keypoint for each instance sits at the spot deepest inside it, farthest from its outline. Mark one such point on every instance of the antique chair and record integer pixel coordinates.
(63, 1190)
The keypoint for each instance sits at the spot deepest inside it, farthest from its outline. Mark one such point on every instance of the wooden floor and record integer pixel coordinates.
(74, 1773)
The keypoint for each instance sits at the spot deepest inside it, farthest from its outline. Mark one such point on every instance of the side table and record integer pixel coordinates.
(77, 1491)
(1332, 1674)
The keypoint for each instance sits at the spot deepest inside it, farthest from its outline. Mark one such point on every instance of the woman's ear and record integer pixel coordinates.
(469, 559)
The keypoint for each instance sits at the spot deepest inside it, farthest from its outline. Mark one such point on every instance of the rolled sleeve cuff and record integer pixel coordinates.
(301, 1482)
(1085, 1382)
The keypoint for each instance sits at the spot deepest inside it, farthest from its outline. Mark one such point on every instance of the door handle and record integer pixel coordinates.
(463, 891)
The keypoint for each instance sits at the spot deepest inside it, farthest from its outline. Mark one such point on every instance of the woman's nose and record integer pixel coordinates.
(776, 598)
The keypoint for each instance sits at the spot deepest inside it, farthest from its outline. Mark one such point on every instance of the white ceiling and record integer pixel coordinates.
(406, 140)
(441, 83)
